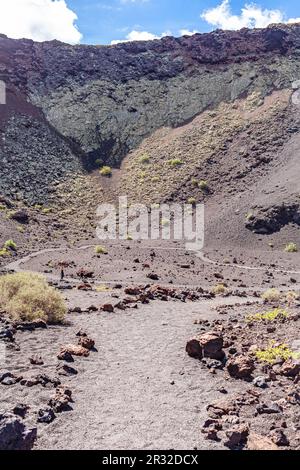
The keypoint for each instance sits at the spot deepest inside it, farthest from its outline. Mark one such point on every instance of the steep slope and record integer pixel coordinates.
(213, 107)
(107, 99)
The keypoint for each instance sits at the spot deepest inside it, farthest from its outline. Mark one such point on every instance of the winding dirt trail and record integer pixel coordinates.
(140, 390)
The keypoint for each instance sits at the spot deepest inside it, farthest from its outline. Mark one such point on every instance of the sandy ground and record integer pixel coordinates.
(139, 390)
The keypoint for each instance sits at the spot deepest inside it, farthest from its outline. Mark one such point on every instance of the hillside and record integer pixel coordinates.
(144, 344)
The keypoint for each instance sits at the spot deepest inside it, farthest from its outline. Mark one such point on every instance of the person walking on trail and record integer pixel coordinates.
(62, 275)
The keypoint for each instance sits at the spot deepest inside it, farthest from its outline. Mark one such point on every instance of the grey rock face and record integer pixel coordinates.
(14, 435)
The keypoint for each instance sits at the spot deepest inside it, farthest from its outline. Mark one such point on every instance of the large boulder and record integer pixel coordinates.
(206, 345)
(212, 344)
(14, 435)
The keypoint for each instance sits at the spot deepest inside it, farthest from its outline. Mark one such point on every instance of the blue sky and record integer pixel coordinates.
(101, 21)
(107, 21)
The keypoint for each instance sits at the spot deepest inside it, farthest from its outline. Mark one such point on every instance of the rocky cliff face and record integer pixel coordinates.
(70, 106)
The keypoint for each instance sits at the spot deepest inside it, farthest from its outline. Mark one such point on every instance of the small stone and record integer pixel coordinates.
(290, 368)
(258, 442)
(279, 438)
(36, 360)
(107, 308)
(268, 408)
(65, 370)
(240, 367)
(86, 342)
(74, 350)
(65, 356)
(237, 436)
(260, 382)
(46, 416)
(21, 410)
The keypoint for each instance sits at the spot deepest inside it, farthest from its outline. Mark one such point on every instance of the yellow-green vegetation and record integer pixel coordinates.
(2, 207)
(203, 185)
(291, 248)
(219, 289)
(20, 229)
(27, 297)
(175, 162)
(271, 296)
(144, 159)
(129, 238)
(155, 179)
(194, 182)
(46, 210)
(291, 297)
(277, 313)
(105, 171)
(10, 245)
(4, 252)
(100, 250)
(249, 216)
(274, 352)
(192, 200)
(102, 288)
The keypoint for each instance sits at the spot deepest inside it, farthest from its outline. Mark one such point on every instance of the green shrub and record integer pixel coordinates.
(27, 297)
(11, 245)
(105, 171)
(192, 200)
(100, 250)
(271, 296)
(275, 352)
(277, 313)
(291, 248)
(144, 159)
(4, 252)
(203, 185)
(175, 162)
(219, 289)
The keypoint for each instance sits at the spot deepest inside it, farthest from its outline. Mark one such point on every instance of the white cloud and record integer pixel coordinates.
(251, 16)
(187, 32)
(40, 20)
(139, 36)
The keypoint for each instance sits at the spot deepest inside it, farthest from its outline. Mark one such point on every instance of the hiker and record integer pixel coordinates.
(62, 275)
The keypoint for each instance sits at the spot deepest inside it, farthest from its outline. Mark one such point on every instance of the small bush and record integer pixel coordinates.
(219, 289)
(277, 313)
(144, 159)
(27, 297)
(105, 171)
(2, 207)
(4, 252)
(11, 245)
(291, 248)
(100, 250)
(203, 185)
(290, 297)
(175, 162)
(192, 200)
(275, 352)
(271, 296)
